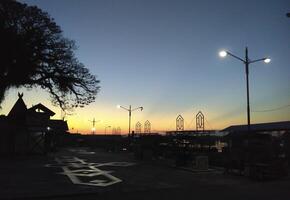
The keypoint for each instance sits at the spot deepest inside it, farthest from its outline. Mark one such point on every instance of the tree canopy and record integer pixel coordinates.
(34, 53)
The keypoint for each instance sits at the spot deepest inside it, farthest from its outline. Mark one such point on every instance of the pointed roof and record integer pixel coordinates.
(19, 109)
(41, 108)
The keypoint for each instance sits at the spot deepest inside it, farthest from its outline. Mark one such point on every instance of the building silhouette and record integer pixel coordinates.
(30, 130)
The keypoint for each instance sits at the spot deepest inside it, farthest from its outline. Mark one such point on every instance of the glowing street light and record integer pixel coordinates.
(130, 110)
(93, 130)
(267, 60)
(247, 62)
(223, 54)
(94, 122)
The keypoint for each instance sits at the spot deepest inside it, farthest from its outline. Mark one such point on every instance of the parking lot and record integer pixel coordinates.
(83, 173)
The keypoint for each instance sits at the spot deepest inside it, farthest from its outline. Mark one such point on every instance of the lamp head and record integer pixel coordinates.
(141, 108)
(118, 106)
(223, 53)
(267, 60)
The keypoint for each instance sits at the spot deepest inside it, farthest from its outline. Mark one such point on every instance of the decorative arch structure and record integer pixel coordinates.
(138, 127)
(179, 123)
(147, 127)
(199, 121)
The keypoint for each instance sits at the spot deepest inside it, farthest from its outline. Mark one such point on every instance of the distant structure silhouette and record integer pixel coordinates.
(199, 121)
(118, 131)
(147, 127)
(94, 125)
(138, 128)
(179, 123)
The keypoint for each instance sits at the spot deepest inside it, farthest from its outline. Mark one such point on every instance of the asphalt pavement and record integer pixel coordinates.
(82, 173)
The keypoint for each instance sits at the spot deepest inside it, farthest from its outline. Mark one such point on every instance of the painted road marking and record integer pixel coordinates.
(85, 173)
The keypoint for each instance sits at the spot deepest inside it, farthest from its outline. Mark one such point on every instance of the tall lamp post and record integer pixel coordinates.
(94, 123)
(106, 129)
(247, 62)
(130, 110)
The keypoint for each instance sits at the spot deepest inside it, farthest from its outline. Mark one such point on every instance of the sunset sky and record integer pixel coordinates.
(163, 55)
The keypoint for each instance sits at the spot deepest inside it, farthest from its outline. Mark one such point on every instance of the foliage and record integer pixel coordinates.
(34, 53)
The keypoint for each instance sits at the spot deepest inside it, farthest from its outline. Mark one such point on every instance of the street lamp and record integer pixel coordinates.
(130, 110)
(94, 122)
(247, 62)
(106, 129)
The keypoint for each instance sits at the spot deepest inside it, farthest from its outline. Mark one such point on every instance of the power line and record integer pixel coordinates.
(271, 110)
(208, 123)
(190, 124)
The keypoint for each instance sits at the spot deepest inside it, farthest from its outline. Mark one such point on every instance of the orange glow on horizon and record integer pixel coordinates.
(107, 115)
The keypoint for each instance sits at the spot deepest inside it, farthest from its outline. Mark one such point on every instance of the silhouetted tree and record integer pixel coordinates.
(34, 53)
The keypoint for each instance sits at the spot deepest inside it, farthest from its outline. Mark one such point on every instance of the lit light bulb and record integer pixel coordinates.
(267, 60)
(223, 54)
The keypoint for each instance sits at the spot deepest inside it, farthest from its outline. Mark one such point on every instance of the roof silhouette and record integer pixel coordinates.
(42, 108)
(20, 112)
(19, 109)
(271, 126)
(57, 124)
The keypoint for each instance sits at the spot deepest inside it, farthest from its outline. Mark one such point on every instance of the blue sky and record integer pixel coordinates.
(163, 55)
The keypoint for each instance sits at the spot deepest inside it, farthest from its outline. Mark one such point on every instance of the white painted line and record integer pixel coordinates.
(75, 168)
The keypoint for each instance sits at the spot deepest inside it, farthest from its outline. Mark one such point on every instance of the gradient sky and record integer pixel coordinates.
(163, 55)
